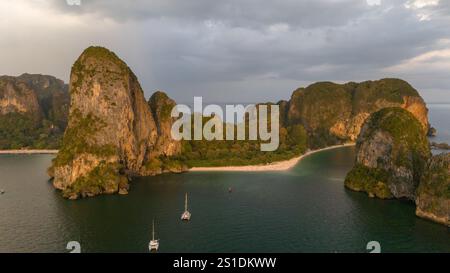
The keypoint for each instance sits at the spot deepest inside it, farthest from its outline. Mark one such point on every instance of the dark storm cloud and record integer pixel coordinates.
(239, 13)
(256, 50)
(376, 39)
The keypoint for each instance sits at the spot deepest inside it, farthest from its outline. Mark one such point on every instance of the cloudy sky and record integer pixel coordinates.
(236, 50)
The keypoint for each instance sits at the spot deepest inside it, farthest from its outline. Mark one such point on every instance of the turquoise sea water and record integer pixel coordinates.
(306, 209)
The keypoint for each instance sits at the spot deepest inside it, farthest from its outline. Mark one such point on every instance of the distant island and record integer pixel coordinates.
(112, 133)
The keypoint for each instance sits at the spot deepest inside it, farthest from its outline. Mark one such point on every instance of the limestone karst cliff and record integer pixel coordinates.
(161, 106)
(33, 111)
(391, 152)
(112, 131)
(433, 193)
(334, 113)
(53, 97)
(161, 158)
(393, 160)
(18, 97)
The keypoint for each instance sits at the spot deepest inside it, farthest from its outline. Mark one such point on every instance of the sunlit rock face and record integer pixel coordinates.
(33, 111)
(433, 194)
(334, 113)
(111, 133)
(391, 153)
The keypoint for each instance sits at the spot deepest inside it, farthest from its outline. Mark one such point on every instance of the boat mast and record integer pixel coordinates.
(153, 230)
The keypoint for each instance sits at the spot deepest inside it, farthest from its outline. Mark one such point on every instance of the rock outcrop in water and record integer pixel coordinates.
(391, 152)
(393, 160)
(112, 134)
(334, 113)
(433, 194)
(33, 111)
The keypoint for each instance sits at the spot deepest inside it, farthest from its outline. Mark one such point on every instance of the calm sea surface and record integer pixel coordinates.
(306, 209)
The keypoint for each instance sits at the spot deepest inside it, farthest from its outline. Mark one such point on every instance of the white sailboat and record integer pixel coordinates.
(186, 216)
(154, 244)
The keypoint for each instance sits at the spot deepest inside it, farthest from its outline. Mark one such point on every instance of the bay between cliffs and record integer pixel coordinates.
(275, 166)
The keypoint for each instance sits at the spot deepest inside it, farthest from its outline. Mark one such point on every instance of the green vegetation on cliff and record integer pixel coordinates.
(392, 151)
(161, 105)
(85, 72)
(433, 193)
(411, 147)
(53, 97)
(435, 180)
(162, 164)
(366, 94)
(333, 113)
(102, 54)
(77, 136)
(34, 111)
(370, 180)
(18, 131)
(329, 100)
(104, 178)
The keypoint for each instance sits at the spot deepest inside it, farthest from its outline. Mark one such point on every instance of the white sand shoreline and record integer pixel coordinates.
(19, 152)
(276, 166)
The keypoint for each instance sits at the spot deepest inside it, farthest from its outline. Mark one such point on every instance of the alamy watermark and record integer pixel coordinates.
(236, 117)
(73, 2)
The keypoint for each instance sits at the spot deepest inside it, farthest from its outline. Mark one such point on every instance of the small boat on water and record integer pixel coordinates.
(2, 191)
(154, 244)
(230, 189)
(186, 216)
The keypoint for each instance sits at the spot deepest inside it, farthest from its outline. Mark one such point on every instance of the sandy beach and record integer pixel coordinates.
(18, 152)
(276, 166)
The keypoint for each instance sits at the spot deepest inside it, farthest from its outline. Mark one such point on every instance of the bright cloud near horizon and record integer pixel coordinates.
(236, 50)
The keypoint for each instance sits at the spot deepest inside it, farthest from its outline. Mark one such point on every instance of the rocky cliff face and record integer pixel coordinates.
(112, 131)
(53, 97)
(18, 97)
(334, 113)
(391, 153)
(162, 158)
(33, 111)
(161, 106)
(37, 95)
(433, 194)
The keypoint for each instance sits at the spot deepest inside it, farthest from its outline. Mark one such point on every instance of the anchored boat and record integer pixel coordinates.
(186, 216)
(154, 244)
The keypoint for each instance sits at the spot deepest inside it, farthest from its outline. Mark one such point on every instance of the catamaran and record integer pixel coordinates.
(154, 244)
(186, 216)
